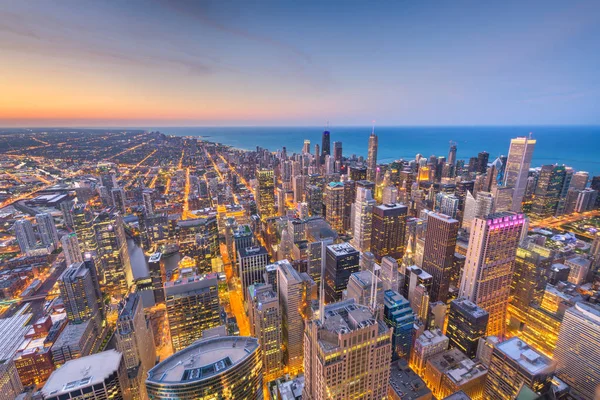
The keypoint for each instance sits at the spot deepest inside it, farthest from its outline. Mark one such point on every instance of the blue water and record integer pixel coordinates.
(575, 146)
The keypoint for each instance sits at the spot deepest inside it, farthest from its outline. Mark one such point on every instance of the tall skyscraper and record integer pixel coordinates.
(265, 193)
(25, 235)
(118, 199)
(71, 249)
(389, 273)
(113, 255)
(467, 323)
(10, 383)
(347, 354)
(325, 145)
(388, 231)
(488, 270)
(363, 219)
(265, 324)
(399, 316)
(47, 230)
(79, 293)
(192, 307)
(290, 289)
(158, 276)
(547, 191)
(226, 367)
(438, 253)
(372, 157)
(578, 349)
(334, 205)
(306, 147)
(482, 162)
(517, 168)
(452, 154)
(337, 151)
(251, 266)
(342, 260)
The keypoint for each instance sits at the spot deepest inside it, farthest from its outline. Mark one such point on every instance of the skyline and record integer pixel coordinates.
(283, 64)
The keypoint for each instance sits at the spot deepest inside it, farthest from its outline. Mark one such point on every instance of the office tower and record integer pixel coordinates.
(79, 292)
(388, 231)
(251, 266)
(356, 173)
(135, 340)
(334, 205)
(74, 341)
(514, 363)
(118, 199)
(290, 288)
(47, 230)
(148, 201)
(413, 277)
(529, 278)
(479, 206)
(579, 180)
(351, 330)
(389, 273)
(427, 345)
(547, 191)
(83, 224)
(503, 197)
(363, 219)
(242, 237)
(482, 162)
(578, 349)
(325, 145)
(580, 200)
(192, 307)
(372, 157)
(265, 193)
(306, 147)
(198, 239)
(314, 198)
(518, 162)
(113, 255)
(342, 260)
(337, 151)
(399, 316)
(489, 265)
(367, 289)
(97, 376)
(467, 323)
(71, 249)
(10, 383)
(447, 204)
(65, 207)
(227, 367)
(24, 234)
(438, 253)
(156, 269)
(109, 181)
(452, 155)
(265, 324)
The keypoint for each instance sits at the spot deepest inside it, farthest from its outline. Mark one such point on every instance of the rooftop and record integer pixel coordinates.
(252, 251)
(469, 307)
(291, 390)
(527, 358)
(82, 372)
(405, 382)
(589, 311)
(342, 249)
(203, 359)
(460, 395)
(71, 335)
(189, 284)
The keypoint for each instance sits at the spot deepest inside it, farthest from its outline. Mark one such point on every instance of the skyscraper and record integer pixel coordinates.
(517, 168)
(192, 307)
(489, 265)
(251, 266)
(334, 205)
(79, 294)
(118, 199)
(347, 354)
(547, 191)
(438, 253)
(399, 316)
(47, 230)
(388, 231)
(265, 193)
(482, 162)
(25, 235)
(113, 255)
(578, 349)
(306, 147)
(363, 219)
(372, 157)
(342, 260)
(71, 249)
(337, 151)
(325, 145)
(467, 323)
(452, 155)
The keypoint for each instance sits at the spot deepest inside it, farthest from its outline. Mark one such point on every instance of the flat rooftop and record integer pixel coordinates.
(467, 306)
(405, 382)
(341, 249)
(203, 359)
(524, 355)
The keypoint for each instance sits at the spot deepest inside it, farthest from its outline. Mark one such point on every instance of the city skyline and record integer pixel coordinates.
(281, 63)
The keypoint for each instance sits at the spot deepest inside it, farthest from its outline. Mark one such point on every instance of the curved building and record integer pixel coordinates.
(228, 367)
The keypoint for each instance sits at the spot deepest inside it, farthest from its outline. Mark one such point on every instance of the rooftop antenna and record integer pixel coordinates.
(373, 130)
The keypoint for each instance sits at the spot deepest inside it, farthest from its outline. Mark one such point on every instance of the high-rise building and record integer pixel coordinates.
(47, 230)
(363, 219)
(306, 147)
(265, 324)
(325, 145)
(265, 193)
(334, 205)
(482, 162)
(517, 168)
(488, 270)
(227, 367)
(314, 199)
(108, 180)
(390, 276)
(290, 288)
(148, 201)
(399, 316)
(579, 180)
(452, 154)
(83, 224)
(337, 151)
(66, 208)
(10, 383)
(347, 354)
(547, 191)
(438, 253)
(79, 292)
(357, 173)
(118, 199)
(251, 266)
(388, 231)
(71, 249)
(578, 349)
(427, 345)
(135, 340)
(156, 269)
(467, 323)
(97, 376)
(514, 364)
(192, 307)
(342, 260)
(372, 157)
(25, 235)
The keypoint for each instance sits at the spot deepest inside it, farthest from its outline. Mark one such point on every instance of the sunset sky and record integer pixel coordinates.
(169, 63)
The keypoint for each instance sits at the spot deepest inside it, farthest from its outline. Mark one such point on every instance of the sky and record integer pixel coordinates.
(227, 63)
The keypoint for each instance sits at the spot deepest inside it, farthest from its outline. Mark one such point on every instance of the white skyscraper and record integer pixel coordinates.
(47, 229)
(71, 249)
(25, 235)
(363, 219)
(517, 168)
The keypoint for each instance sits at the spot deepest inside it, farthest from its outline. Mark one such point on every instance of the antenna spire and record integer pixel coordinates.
(373, 130)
